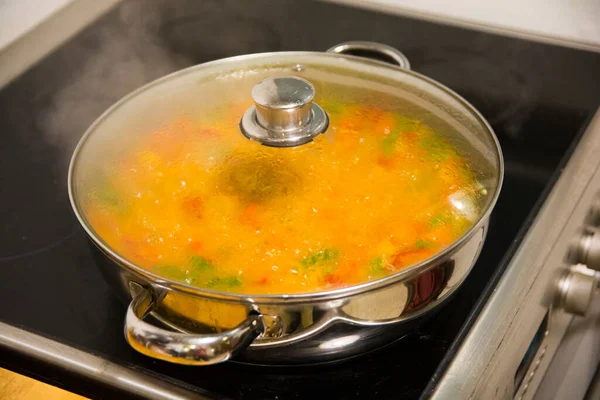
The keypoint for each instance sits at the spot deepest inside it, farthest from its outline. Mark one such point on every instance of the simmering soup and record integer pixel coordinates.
(202, 205)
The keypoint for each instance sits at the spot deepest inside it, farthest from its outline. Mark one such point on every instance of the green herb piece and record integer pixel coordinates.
(107, 194)
(437, 147)
(469, 177)
(403, 125)
(213, 282)
(329, 268)
(388, 143)
(320, 257)
(170, 272)
(333, 107)
(200, 264)
(378, 266)
(438, 220)
(422, 244)
(199, 267)
(231, 281)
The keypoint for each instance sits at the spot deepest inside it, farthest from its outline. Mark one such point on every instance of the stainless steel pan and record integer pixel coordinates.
(207, 327)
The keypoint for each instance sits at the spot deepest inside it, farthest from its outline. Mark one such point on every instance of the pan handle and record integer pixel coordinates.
(184, 348)
(373, 50)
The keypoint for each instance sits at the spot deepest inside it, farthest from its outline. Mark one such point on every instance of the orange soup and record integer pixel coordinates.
(205, 206)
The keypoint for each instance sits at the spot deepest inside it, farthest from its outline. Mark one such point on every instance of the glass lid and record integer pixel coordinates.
(285, 173)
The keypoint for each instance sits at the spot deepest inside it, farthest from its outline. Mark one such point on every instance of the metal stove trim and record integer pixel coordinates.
(90, 366)
(485, 363)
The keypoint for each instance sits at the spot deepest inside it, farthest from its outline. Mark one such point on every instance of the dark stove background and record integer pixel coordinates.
(537, 98)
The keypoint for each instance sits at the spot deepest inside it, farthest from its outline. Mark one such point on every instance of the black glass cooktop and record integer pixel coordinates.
(537, 98)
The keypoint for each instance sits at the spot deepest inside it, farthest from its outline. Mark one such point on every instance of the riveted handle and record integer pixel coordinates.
(373, 50)
(184, 348)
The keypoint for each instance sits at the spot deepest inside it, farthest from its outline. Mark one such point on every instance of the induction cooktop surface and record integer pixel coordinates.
(536, 97)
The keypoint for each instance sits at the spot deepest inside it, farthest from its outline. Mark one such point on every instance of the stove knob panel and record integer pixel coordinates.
(585, 249)
(593, 216)
(576, 289)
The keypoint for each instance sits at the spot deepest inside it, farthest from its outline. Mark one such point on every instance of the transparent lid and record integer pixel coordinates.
(282, 160)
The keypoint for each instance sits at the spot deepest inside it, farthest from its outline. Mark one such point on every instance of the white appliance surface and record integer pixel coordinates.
(570, 22)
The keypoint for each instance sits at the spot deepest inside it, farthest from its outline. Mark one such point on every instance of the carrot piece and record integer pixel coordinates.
(385, 162)
(249, 216)
(409, 257)
(409, 136)
(194, 206)
(383, 123)
(333, 279)
(196, 245)
(209, 132)
(342, 274)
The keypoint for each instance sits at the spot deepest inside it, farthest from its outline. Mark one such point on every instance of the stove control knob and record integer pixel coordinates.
(593, 216)
(576, 289)
(585, 249)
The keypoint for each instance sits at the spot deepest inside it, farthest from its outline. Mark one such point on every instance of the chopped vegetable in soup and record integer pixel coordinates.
(204, 206)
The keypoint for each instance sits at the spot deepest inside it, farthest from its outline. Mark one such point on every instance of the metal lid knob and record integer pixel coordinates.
(284, 114)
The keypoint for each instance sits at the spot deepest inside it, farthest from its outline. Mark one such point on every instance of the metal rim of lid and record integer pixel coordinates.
(276, 298)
